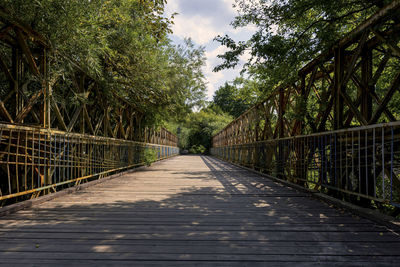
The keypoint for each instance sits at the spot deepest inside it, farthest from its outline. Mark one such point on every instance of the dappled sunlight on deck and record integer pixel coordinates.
(192, 210)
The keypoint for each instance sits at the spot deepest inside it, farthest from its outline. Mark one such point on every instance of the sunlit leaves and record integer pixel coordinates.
(123, 45)
(236, 97)
(290, 33)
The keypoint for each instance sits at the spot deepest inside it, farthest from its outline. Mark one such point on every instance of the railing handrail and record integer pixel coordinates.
(353, 129)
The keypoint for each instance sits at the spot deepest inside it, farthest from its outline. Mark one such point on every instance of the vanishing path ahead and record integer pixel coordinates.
(192, 210)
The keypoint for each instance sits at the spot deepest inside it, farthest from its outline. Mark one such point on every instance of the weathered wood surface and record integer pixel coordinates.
(192, 210)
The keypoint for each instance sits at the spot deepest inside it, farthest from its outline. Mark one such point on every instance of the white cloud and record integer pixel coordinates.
(212, 55)
(245, 57)
(203, 20)
(214, 80)
(242, 30)
(229, 3)
(200, 29)
(217, 79)
(171, 7)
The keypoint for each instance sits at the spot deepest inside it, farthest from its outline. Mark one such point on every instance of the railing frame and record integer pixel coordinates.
(347, 161)
(352, 84)
(38, 160)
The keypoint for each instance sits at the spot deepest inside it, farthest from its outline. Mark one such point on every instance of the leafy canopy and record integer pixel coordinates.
(290, 33)
(237, 96)
(124, 46)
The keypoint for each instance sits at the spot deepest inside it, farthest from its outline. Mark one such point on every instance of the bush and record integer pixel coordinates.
(150, 156)
(197, 149)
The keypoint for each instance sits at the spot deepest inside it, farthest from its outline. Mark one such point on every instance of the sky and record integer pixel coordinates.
(203, 20)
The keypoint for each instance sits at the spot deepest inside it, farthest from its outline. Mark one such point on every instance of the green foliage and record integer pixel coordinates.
(124, 46)
(236, 97)
(197, 149)
(205, 124)
(185, 79)
(149, 156)
(197, 128)
(290, 33)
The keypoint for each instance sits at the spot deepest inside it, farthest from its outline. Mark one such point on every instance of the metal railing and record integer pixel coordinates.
(37, 160)
(357, 162)
(304, 131)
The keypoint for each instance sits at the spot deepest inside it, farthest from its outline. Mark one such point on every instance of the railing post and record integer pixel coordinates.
(47, 90)
(338, 88)
(16, 68)
(281, 134)
(367, 185)
(301, 171)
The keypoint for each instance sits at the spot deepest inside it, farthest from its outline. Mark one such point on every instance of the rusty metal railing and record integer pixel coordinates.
(358, 162)
(35, 161)
(304, 131)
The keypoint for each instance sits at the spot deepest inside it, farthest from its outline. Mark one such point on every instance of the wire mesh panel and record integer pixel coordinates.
(36, 160)
(359, 162)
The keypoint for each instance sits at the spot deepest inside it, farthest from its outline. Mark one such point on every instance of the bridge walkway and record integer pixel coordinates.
(192, 210)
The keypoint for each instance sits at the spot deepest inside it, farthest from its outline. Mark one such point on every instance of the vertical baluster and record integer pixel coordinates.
(383, 163)
(391, 165)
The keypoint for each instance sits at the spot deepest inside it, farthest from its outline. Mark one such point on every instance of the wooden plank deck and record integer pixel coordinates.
(192, 210)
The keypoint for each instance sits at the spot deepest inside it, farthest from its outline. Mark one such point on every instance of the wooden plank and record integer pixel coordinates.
(180, 262)
(178, 227)
(198, 248)
(284, 257)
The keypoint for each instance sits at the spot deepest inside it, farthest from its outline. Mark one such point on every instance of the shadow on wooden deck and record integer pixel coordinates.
(193, 211)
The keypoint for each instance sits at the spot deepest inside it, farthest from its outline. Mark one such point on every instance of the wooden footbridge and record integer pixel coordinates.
(193, 210)
(302, 178)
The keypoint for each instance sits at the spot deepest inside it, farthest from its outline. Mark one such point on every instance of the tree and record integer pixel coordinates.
(185, 78)
(124, 46)
(196, 129)
(204, 125)
(290, 33)
(236, 97)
